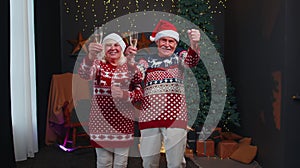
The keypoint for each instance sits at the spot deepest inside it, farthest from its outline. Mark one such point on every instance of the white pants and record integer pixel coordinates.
(112, 157)
(174, 140)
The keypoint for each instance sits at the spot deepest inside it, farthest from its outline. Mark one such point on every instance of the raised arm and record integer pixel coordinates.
(191, 57)
(89, 65)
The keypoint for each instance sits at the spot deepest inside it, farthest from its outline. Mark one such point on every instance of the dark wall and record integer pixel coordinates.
(291, 85)
(48, 56)
(6, 143)
(255, 40)
(83, 19)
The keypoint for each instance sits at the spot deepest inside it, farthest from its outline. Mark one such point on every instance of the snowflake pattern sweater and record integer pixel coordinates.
(164, 103)
(111, 120)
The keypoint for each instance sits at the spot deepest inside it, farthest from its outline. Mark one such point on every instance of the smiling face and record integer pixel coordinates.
(166, 46)
(113, 51)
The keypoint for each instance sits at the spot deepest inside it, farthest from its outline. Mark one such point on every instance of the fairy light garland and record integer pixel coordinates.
(80, 10)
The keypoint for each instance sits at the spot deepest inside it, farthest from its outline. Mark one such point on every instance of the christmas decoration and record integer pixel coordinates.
(189, 153)
(200, 12)
(90, 13)
(206, 148)
(226, 147)
(78, 44)
(246, 152)
(144, 42)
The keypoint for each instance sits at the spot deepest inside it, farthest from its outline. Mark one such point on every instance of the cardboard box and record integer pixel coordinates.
(189, 153)
(205, 148)
(226, 147)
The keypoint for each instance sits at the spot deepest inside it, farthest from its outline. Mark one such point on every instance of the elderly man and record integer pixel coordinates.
(163, 117)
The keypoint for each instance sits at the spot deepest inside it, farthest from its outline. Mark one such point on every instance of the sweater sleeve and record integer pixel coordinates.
(87, 69)
(135, 88)
(190, 57)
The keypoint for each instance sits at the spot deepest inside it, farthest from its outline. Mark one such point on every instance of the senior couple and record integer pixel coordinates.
(154, 81)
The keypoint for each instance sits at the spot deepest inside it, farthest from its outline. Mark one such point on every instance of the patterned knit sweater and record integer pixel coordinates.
(111, 119)
(164, 103)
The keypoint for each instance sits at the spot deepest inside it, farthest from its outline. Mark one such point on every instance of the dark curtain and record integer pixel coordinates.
(48, 57)
(6, 142)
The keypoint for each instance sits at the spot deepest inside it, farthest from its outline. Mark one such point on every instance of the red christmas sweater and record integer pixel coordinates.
(164, 102)
(111, 120)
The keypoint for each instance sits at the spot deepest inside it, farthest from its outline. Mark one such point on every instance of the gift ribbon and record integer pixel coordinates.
(204, 147)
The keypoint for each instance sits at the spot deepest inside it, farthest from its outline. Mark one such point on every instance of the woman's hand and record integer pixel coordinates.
(130, 50)
(130, 53)
(116, 91)
(94, 49)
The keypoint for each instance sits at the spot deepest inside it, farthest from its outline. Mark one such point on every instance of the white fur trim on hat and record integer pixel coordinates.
(167, 33)
(117, 38)
(151, 38)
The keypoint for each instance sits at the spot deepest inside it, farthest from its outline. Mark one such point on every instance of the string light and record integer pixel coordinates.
(80, 10)
(111, 9)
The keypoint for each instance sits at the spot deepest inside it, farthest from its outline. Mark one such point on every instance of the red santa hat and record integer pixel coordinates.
(117, 38)
(164, 29)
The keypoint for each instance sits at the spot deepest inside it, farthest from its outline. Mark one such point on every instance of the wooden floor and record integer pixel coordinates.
(54, 157)
(216, 162)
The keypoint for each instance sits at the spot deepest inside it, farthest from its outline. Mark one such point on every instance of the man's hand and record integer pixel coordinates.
(194, 36)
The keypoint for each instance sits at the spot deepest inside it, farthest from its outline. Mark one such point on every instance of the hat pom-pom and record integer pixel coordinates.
(152, 38)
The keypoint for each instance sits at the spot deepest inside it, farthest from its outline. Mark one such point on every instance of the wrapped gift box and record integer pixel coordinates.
(226, 147)
(189, 153)
(205, 148)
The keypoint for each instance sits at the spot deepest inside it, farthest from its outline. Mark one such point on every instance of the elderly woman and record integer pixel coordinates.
(116, 87)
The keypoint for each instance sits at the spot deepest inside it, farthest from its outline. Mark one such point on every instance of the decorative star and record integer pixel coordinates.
(144, 42)
(78, 44)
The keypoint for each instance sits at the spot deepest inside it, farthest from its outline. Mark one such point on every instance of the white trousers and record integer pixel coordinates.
(112, 157)
(174, 140)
